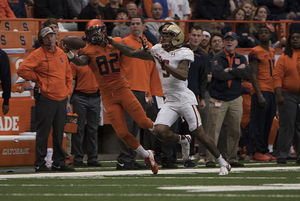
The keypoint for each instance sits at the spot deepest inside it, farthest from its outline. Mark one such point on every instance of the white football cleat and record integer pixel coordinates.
(151, 162)
(224, 170)
(185, 148)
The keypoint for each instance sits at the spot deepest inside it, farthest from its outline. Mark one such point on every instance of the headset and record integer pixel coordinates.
(40, 38)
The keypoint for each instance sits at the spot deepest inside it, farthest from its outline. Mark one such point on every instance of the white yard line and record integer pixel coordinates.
(142, 172)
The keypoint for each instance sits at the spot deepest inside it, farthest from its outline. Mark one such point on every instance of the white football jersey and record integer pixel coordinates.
(173, 88)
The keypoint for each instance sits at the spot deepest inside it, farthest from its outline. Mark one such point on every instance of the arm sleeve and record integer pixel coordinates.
(218, 70)
(69, 78)
(5, 77)
(27, 66)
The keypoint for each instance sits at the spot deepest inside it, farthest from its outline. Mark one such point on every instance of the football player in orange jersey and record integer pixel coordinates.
(263, 105)
(115, 92)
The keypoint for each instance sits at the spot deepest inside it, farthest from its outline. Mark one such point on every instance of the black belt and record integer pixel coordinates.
(79, 93)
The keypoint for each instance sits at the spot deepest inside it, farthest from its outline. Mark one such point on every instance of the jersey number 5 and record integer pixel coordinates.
(103, 60)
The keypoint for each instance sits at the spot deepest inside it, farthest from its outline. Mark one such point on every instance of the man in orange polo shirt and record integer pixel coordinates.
(287, 86)
(139, 81)
(48, 66)
(86, 104)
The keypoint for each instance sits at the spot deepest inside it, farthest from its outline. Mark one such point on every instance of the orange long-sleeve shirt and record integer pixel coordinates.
(50, 71)
(5, 10)
(287, 73)
(141, 75)
(85, 79)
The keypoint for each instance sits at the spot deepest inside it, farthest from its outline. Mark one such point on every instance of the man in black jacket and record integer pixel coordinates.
(5, 78)
(92, 11)
(228, 68)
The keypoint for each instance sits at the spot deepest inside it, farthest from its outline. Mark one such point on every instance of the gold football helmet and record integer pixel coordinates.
(177, 36)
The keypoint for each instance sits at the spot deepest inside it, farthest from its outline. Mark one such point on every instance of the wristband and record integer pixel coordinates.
(260, 96)
(70, 55)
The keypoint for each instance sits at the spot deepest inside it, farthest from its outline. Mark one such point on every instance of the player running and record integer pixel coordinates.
(172, 62)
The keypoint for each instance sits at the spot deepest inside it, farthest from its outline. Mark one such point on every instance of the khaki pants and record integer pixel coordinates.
(233, 110)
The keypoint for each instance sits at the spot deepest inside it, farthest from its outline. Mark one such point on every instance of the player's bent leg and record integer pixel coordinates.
(164, 133)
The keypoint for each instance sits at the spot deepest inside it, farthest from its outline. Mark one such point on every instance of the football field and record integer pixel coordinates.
(256, 181)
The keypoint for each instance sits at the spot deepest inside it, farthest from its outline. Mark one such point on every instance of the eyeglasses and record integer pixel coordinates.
(215, 41)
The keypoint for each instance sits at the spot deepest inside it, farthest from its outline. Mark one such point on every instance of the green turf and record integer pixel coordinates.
(268, 185)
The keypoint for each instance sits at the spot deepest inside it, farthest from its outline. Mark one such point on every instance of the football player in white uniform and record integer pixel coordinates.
(173, 62)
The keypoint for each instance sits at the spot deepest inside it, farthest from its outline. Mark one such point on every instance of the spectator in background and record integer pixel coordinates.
(48, 66)
(181, 8)
(205, 43)
(287, 84)
(121, 29)
(153, 27)
(211, 10)
(132, 10)
(5, 10)
(217, 46)
(52, 23)
(5, 78)
(110, 13)
(86, 104)
(92, 11)
(18, 7)
(263, 105)
(245, 39)
(225, 90)
(261, 14)
(281, 9)
(147, 5)
(78, 5)
(249, 8)
(58, 9)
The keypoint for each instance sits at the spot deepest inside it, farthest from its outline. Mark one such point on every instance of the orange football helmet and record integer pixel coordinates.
(94, 30)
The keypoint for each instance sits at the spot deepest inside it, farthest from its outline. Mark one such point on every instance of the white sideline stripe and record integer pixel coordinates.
(146, 195)
(142, 172)
(226, 188)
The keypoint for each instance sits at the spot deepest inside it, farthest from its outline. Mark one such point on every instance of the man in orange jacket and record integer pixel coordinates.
(48, 66)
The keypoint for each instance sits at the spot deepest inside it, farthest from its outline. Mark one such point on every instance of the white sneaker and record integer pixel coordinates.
(225, 169)
(201, 160)
(151, 162)
(185, 148)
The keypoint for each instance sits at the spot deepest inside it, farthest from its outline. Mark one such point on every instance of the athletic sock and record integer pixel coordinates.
(182, 139)
(221, 161)
(140, 150)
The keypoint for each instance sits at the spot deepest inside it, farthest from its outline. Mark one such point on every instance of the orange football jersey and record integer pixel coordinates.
(265, 69)
(104, 62)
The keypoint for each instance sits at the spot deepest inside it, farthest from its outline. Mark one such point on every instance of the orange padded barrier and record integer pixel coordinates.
(15, 39)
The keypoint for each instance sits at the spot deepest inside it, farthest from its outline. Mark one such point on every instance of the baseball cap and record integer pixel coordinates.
(230, 34)
(45, 31)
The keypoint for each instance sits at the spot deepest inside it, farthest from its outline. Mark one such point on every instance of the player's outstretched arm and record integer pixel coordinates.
(132, 52)
(82, 60)
(127, 50)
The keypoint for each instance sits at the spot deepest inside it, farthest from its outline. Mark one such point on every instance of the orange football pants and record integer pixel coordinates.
(115, 102)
